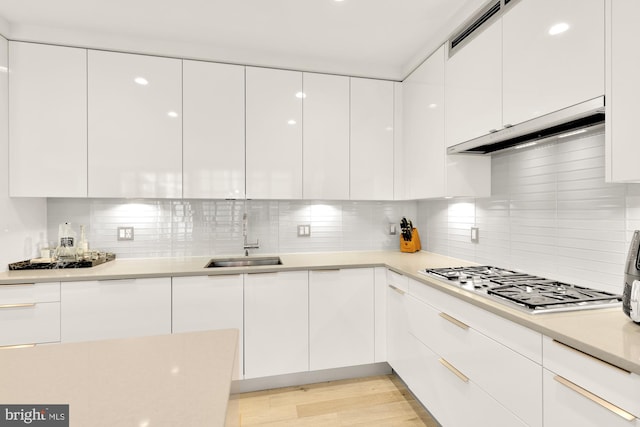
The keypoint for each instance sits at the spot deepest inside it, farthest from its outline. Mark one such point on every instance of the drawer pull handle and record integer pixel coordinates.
(595, 399)
(18, 305)
(398, 290)
(8, 347)
(455, 321)
(22, 284)
(457, 373)
(591, 357)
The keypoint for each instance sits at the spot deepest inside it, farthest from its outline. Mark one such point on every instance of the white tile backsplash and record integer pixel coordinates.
(176, 228)
(551, 213)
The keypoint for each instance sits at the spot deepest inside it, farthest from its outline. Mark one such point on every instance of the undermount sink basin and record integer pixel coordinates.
(244, 261)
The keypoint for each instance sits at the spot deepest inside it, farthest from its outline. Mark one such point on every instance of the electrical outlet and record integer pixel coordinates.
(304, 230)
(393, 229)
(475, 234)
(125, 233)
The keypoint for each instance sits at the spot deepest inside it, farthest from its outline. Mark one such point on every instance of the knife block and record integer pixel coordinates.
(412, 245)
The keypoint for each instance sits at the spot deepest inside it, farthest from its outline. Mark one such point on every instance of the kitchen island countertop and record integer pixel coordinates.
(605, 333)
(166, 380)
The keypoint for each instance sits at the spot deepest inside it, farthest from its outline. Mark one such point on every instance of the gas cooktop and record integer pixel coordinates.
(529, 293)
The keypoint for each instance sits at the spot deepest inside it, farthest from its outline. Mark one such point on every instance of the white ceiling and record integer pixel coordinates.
(372, 38)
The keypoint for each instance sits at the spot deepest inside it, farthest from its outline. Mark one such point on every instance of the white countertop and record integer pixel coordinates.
(168, 380)
(603, 333)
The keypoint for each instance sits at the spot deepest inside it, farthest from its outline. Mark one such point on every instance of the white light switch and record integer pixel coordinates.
(475, 236)
(125, 233)
(304, 230)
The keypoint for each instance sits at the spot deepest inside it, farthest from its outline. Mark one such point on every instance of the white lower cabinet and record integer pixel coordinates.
(341, 318)
(276, 323)
(585, 391)
(29, 314)
(450, 365)
(208, 302)
(105, 309)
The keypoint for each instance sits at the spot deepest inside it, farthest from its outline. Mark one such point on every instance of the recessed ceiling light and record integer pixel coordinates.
(433, 105)
(291, 122)
(172, 114)
(141, 81)
(301, 95)
(558, 28)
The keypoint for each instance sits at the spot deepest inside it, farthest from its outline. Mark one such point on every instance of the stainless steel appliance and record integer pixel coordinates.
(526, 292)
(631, 293)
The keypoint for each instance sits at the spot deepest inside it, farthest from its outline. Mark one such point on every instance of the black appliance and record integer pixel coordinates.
(526, 292)
(631, 293)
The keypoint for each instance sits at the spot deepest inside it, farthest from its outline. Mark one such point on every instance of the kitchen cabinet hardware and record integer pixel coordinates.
(493, 130)
(22, 284)
(263, 272)
(326, 269)
(23, 305)
(452, 368)
(592, 357)
(455, 321)
(9, 347)
(595, 399)
(398, 290)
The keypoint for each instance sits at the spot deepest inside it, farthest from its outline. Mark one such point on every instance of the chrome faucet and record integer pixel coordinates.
(245, 232)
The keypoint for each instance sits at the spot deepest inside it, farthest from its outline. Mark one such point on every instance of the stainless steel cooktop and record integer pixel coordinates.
(529, 293)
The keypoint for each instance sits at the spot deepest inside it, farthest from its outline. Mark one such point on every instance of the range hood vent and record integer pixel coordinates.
(467, 31)
(580, 118)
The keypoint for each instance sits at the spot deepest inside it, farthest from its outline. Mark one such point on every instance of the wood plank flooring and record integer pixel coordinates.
(372, 401)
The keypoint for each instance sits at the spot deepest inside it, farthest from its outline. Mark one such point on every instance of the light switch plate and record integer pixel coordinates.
(304, 230)
(475, 234)
(125, 233)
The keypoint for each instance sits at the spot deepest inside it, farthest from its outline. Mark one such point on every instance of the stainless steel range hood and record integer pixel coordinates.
(578, 118)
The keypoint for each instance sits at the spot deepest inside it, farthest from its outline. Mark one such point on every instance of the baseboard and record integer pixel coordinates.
(301, 378)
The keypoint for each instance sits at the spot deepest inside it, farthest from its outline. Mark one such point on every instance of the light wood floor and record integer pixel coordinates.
(372, 401)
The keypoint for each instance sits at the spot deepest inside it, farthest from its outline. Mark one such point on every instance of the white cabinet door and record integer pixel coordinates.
(429, 172)
(135, 126)
(567, 404)
(325, 137)
(380, 327)
(213, 135)
(622, 92)
(276, 323)
(473, 87)
(398, 338)
(202, 303)
(115, 309)
(545, 70)
(274, 133)
(371, 153)
(341, 318)
(29, 313)
(48, 120)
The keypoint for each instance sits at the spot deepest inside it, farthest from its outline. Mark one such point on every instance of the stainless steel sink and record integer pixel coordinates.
(244, 261)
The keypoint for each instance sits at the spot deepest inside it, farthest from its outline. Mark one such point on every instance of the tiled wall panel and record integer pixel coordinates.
(551, 213)
(176, 228)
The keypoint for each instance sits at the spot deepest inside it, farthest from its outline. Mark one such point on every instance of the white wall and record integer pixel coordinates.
(22, 221)
(551, 213)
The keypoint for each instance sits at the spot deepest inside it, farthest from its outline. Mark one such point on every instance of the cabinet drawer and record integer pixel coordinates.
(498, 370)
(452, 398)
(613, 384)
(29, 293)
(30, 324)
(398, 280)
(568, 405)
(518, 338)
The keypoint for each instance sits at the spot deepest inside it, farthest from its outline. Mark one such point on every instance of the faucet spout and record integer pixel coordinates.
(245, 232)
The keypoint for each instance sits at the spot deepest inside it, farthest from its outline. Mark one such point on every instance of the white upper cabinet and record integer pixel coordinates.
(553, 56)
(428, 171)
(274, 134)
(135, 126)
(371, 151)
(325, 138)
(48, 120)
(213, 134)
(473, 86)
(623, 91)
